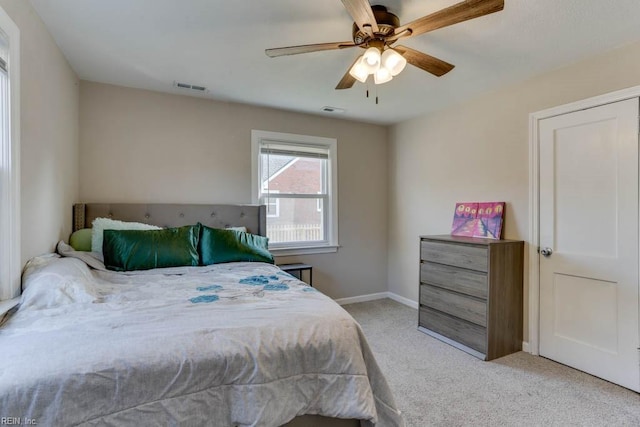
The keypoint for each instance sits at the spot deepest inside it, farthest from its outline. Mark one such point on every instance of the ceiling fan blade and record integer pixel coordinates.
(428, 63)
(295, 50)
(347, 80)
(362, 14)
(459, 12)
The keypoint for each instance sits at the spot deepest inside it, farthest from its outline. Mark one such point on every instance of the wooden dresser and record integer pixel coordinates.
(471, 293)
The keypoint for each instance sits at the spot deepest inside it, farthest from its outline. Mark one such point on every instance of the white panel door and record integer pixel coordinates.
(589, 241)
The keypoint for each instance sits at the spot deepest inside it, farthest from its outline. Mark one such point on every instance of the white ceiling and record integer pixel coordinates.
(149, 44)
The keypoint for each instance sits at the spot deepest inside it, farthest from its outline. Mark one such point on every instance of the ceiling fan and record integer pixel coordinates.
(376, 30)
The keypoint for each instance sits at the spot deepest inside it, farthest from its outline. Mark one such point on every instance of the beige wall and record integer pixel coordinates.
(142, 146)
(479, 151)
(49, 96)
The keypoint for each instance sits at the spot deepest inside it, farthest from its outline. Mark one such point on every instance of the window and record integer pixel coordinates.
(295, 177)
(10, 262)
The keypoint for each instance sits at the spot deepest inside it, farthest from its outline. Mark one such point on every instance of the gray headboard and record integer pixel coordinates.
(254, 217)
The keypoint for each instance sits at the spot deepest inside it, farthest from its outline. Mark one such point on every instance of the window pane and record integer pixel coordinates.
(292, 174)
(299, 220)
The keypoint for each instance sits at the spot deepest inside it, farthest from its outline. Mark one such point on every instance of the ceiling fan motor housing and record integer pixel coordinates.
(387, 23)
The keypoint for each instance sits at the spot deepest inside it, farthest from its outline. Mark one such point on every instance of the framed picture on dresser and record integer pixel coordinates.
(478, 219)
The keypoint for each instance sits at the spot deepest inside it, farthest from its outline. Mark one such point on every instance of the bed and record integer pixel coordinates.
(233, 344)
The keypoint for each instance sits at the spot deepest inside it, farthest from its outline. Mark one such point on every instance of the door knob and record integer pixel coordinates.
(546, 252)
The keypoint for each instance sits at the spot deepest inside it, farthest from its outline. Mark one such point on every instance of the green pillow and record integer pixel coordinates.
(80, 240)
(126, 250)
(217, 246)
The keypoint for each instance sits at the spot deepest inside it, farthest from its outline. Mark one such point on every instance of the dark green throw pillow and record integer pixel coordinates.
(126, 250)
(218, 246)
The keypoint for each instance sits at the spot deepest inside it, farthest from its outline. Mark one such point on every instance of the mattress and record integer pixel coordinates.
(236, 344)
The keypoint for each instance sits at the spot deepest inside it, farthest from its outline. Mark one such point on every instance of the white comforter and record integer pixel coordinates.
(233, 344)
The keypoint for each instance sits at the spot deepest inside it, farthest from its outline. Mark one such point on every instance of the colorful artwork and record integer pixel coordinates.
(478, 219)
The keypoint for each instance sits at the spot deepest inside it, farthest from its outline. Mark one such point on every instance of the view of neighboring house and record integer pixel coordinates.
(293, 218)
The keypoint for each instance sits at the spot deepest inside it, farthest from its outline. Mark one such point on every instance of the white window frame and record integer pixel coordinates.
(10, 256)
(276, 204)
(331, 211)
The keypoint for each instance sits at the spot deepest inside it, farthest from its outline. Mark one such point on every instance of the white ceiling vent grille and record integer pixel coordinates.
(189, 86)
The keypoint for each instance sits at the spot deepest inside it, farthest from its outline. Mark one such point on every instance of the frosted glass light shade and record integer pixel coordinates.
(383, 75)
(359, 71)
(371, 59)
(393, 61)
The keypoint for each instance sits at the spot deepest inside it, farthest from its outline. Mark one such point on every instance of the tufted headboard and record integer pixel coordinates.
(254, 217)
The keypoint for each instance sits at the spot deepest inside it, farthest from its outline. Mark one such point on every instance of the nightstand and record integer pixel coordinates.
(296, 271)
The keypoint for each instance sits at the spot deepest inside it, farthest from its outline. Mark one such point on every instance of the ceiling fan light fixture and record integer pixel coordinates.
(371, 59)
(383, 75)
(393, 61)
(359, 71)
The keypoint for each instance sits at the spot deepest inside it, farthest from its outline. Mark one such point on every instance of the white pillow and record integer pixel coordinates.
(52, 282)
(101, 224)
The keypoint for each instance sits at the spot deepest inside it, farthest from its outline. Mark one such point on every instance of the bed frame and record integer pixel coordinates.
(253, 217)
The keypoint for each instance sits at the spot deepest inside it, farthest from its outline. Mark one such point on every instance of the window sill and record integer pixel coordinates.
(304, 250)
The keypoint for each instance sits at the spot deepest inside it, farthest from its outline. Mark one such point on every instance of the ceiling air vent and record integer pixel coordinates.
(196, 88)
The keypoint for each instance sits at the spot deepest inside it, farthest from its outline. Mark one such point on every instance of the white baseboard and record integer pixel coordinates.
(402, 300)
(379, 295)
(361, 298)
(525, 346)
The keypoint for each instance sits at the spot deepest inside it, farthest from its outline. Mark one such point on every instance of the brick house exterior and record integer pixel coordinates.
(303, 176)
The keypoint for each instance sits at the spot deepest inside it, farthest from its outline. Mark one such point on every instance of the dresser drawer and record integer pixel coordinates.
(457, 279)
(458, 305)
(465, 333)
(465, 256)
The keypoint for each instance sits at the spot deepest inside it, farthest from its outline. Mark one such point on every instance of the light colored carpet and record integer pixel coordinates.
(438, 385)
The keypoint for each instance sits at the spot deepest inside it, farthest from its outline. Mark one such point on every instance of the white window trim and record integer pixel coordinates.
(10, 255)
(331, 245)
(277, 205)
